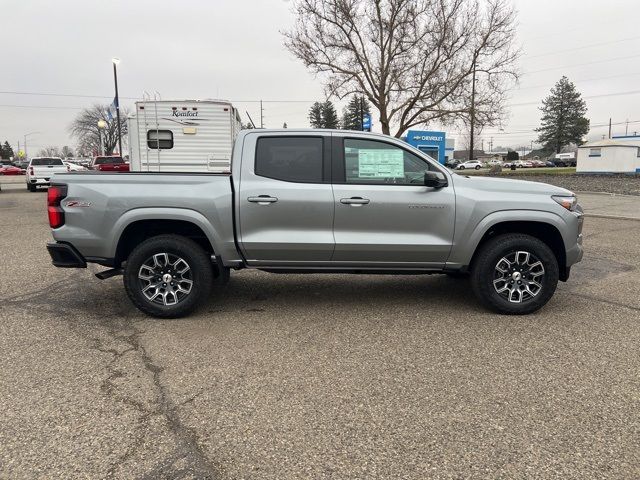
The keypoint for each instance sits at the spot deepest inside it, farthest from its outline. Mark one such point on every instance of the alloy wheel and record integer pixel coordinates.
(518, 276)
(165, 279)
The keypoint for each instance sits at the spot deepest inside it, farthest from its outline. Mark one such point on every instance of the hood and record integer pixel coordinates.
(508, 185)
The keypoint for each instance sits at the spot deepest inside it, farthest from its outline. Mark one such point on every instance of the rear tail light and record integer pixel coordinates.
(55, 194)
(68, 168)
(31, 171)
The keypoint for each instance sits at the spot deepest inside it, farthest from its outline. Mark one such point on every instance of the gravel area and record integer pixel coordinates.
(619, 184)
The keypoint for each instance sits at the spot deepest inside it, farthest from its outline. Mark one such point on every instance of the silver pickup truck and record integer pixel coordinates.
(304, 201)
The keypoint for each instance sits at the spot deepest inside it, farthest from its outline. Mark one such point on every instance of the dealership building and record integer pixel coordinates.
(435, 144)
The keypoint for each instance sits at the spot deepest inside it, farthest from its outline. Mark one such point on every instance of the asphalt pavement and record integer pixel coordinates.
(316, 376)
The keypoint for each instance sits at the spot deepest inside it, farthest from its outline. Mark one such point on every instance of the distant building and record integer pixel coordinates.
(464, 154)
(618, 155)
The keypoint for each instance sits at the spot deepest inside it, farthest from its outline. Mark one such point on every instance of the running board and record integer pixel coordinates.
(109, 273)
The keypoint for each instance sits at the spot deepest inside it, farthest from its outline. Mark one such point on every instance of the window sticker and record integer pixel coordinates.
(378, 163)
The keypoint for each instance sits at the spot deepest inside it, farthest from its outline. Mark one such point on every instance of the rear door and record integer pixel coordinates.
(384, 214)
(285, 199)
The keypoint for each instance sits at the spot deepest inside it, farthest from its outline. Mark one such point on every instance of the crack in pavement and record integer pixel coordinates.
(188, 458)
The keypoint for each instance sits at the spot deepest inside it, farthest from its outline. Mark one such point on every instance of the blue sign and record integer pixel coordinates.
(366, 122)
(433, 144)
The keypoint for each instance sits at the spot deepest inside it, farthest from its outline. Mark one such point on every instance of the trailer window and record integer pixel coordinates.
(160, 139)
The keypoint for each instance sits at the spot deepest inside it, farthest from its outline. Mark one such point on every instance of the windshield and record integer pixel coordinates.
(102, 160)
(46, 161)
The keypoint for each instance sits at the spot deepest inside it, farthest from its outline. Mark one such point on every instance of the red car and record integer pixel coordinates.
(109, 163)
(10, 170)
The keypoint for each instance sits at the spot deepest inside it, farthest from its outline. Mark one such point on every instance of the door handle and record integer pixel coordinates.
(354, 201)
(262, 199)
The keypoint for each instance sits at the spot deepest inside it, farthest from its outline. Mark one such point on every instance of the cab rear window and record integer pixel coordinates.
(46, 161)
(103, 160)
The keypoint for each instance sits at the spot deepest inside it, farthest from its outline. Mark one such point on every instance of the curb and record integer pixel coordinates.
(581, 192)
(611, 217)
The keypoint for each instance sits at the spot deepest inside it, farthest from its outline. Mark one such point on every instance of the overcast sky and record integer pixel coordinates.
(233, 49)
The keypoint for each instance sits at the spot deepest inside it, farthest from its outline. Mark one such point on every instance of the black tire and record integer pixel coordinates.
(477, 167)
(461, 167)
(485, 271)
(31, 187)
(200, 274)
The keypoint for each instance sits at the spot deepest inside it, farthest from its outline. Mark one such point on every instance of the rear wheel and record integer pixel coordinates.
(461, 167)
(31, 187)
(514, 274)
(168, 276)
(477, 167)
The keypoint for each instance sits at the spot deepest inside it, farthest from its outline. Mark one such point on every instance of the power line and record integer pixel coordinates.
(583, 47)
(582, 64)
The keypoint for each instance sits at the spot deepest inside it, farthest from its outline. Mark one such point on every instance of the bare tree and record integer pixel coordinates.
(85, 129)
(413, 59)
(50, 152)
(67, 152)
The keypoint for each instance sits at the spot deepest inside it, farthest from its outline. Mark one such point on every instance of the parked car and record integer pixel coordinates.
(382, 207)
(471, 164)
(452, 164)
(41, 169)
(74, 167)
(6, 169)
(109, 163)
(549, 163)
(522, 164)
(537, 163)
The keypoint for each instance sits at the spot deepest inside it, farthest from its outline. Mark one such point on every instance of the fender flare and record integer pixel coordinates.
(163, 213)
(467, 241)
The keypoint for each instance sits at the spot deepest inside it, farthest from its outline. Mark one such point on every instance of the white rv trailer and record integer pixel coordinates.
(182, 136)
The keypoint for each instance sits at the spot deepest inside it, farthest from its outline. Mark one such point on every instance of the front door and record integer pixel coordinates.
(383, 212)
(285, 200)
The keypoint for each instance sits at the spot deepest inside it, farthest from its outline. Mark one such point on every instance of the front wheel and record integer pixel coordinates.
(514, 274)
(168, 276)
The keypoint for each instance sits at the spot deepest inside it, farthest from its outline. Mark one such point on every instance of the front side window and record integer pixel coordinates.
(291, 159)
(374, 162)
(160, 139)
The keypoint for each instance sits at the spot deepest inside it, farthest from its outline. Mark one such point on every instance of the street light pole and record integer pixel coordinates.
(115, 81)
(26, 156)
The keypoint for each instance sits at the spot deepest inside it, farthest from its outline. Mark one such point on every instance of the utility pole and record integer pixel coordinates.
(473, 109)
(609, 128)
(115, 62)
(626, 128)
(261, 115)
(491, 145)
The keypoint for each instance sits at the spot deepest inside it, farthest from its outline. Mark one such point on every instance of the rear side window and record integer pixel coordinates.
(46, 161)
(291, 159)
(160, 139)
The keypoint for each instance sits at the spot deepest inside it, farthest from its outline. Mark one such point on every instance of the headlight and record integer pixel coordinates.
(568, 202)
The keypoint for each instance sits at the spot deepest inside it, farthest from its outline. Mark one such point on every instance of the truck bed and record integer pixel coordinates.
(99, 206)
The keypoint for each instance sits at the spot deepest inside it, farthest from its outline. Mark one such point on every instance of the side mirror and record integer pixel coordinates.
(435, 179)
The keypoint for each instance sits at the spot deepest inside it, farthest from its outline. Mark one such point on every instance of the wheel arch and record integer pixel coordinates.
(545, 232)
(544, 226)
(136, 226)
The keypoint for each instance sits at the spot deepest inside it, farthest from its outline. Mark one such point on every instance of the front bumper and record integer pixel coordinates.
(64, 255)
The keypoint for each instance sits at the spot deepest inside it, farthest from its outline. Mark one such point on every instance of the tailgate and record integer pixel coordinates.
(47, 171)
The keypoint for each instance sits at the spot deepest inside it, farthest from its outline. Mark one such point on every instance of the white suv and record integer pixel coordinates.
(475, 164)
